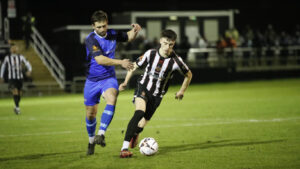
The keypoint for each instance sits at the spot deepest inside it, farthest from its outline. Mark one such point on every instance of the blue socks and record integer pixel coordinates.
(91, 127)
(106, 118)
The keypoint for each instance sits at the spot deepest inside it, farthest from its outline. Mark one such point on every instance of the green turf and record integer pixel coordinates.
(238, 125)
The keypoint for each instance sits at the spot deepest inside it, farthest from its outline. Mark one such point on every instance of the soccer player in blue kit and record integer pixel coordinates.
(101, 78)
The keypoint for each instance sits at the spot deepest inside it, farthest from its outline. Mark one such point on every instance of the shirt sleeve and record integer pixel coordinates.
(26, 63)
(121, 36)
(143, 60)
(3, 66)
(180, 65)
(93, 48)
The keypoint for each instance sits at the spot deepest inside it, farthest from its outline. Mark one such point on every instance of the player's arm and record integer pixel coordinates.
(103, 60)
(3, 66)
(133, 32)
(128, 77)
(187, 80)
(28, 66)
(95, 51)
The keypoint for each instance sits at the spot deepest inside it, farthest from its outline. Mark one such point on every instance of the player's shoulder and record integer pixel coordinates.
(90, 37)
(174, 55)
(149, 51)
(111, 31)
(111, 34)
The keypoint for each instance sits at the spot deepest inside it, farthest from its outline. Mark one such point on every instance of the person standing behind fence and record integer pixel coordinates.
(13, 62)
(29, 21)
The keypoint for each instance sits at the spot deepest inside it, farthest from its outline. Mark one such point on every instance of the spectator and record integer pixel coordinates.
(258, 42)
(221, 43)
(270, 35)
(196, 43)
(202, 42)
(29, 21)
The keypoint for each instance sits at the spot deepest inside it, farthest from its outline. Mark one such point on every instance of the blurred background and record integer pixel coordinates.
(219, 40)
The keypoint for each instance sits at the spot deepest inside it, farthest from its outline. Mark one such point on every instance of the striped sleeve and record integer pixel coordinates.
(143, 60)
(180, 65)
(3, 66)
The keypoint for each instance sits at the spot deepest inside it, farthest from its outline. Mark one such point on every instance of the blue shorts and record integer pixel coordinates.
(93, 90)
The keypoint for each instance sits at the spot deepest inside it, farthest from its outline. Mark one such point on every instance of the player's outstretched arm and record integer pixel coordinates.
(133, 32)
(184, 86)
(103, 60)
(127, 78)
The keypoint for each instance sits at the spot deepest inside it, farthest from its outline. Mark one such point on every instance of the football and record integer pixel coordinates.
(148, 146)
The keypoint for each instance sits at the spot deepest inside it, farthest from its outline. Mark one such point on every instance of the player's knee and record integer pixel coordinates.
(91, 113)
(15, 91)
(111, 97)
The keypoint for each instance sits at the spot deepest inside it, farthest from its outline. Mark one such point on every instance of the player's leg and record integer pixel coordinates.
(132, 126)
(16, 98)
(16, 87)
(91, 123)
(151, 106)
(142, 123)
(110, 94)
(140, 127)
(91, 101)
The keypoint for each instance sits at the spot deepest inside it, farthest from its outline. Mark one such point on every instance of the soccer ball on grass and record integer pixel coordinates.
(148, 146)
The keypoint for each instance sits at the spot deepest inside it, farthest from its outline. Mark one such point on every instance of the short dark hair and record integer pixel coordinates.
(99, 16)
(12, 45)
(169, 34)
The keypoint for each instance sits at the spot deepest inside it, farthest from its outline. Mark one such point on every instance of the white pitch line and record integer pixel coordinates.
(164, 126)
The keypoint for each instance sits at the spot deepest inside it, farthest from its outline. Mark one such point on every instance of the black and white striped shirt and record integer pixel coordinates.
(159, 70)
(13, 63)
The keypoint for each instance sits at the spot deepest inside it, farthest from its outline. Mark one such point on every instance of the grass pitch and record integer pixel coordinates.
(237, 125)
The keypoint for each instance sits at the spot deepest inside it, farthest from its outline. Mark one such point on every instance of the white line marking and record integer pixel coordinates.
(166, 126)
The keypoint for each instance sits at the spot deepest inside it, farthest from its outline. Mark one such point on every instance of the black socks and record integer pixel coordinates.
(17, 99)
(132, 127)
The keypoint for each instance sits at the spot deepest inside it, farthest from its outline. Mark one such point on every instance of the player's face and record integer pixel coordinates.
(100, 27)
(166, 46)
(14, 49)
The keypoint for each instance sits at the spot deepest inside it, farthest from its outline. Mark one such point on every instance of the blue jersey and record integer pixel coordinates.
(97, 45)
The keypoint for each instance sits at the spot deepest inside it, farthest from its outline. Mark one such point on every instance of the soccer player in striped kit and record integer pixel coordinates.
(159, 65)
(14, 65)
(100, 76)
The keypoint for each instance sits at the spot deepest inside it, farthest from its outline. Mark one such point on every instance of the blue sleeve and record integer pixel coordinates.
(121, 36)
(93, 47)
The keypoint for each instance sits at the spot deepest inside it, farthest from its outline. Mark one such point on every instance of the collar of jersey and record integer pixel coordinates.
(99, 35)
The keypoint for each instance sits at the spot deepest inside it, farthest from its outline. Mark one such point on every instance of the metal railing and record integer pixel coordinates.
(48, 57)
(246, 58)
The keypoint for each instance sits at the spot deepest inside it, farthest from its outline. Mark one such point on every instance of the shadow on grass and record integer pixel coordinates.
(212, 144)
(35, 156)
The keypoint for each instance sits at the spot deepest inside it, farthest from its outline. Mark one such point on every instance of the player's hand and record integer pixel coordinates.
(122, 86)
(136, 27)
(28, 74)
(179, 95)
(127, 64)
